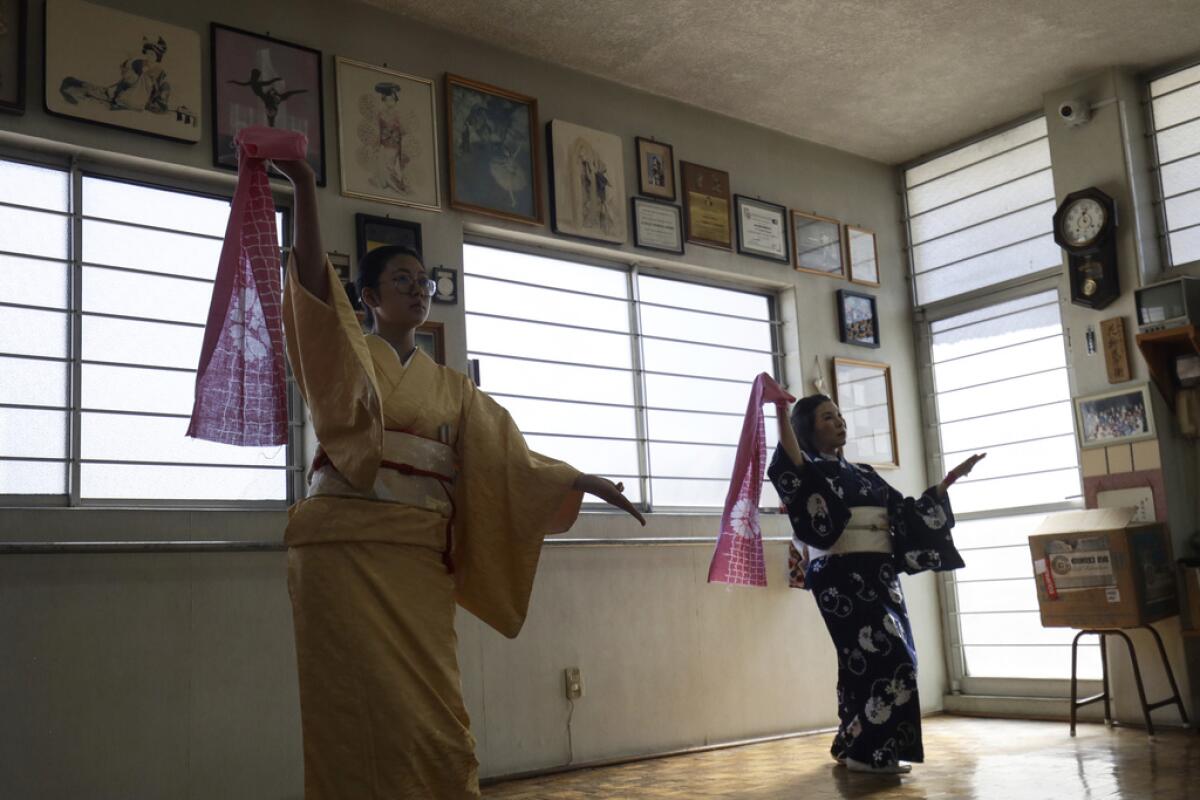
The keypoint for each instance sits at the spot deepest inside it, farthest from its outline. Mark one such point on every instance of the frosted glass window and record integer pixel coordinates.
(1175, 107)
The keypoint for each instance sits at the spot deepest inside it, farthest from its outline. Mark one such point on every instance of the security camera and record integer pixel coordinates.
(1074, 112)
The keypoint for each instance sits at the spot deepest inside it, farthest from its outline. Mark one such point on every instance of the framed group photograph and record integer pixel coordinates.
(817, 245)
(863, 392)
(587, 182)
(657, 225)
(387, 135)
(13, 27)
(761, 229)
(656, 169)
(371, 232)
(864, 256)
(858, 319)
(121, 70)
(258, 80)
(493, 156)
(1114, 417)
(706, 205)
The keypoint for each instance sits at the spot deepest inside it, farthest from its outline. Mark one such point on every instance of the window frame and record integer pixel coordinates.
(77, 168)
(1170, 268)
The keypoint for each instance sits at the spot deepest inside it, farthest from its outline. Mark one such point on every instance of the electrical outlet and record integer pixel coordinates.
(574, 681)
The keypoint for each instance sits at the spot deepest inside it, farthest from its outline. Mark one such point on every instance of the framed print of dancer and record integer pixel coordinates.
(258, 80)
(118, 69)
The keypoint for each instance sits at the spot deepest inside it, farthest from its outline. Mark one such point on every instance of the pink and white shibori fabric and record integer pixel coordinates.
(241, 391)
(739, 555)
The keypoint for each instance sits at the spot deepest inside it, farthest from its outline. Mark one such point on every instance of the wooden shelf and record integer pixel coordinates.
(1160, 348)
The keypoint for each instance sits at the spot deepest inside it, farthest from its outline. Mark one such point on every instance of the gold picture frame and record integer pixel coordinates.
(817, 245)
(863, 392)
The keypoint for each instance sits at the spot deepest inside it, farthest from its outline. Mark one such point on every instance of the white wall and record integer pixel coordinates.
(173, 675)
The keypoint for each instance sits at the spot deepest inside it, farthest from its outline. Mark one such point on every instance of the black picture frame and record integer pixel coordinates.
(220, 158)
(371, 232)
(851, 328)
(20, 30)
(638, 241)
(785, 251)
(645, 151)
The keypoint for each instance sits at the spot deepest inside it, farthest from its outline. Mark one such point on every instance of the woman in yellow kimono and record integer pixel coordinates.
(423, 494)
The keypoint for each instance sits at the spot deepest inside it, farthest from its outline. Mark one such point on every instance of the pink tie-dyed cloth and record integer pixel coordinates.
(739, 555)
(241, 392)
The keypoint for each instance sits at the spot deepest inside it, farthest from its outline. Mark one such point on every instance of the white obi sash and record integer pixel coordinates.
(415, 471)
(868, 531)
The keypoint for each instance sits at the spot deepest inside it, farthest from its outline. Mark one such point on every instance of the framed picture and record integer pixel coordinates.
(863, 392)
(495, 168)
(13, 30)
(817, 245)
(431, 337)
(656, 169)
(371, 232)
(657, 225)
(387, 135)
(121, 70)
(864, 257)
(1114, 417)
(706, 205)
(761, 229)
(446, 280)
(858, 319)
(587, 182)
(258, 80)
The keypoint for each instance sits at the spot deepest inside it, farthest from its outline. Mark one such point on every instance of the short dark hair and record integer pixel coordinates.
(371, 266)
(804, 420)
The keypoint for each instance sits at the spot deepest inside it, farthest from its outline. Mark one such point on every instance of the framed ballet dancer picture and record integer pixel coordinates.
(492, 152)
(257, 80)
(124, 71)
(387, 135)
(13, 33)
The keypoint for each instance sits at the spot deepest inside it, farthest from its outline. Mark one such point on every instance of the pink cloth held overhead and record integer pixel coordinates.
(241, 391)
(739, 555)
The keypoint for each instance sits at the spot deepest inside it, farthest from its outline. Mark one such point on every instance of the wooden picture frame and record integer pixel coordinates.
(260, 80)
(762, 229)
(656, 225)
(431, 337)
(707, 206)
(863, 393)
(123, 71)
(656, 169)
(371, 232)
(387, 135)
(1108, 418)
(858, 318)
(862, 255)
(14, 37)
(492, 151)
(587, 182)
(1116, 349)
(817, 245)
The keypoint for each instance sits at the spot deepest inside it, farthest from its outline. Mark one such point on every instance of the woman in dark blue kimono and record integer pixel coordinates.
(852, 536)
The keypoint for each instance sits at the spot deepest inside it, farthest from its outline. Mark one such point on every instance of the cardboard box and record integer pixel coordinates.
(1100, 569)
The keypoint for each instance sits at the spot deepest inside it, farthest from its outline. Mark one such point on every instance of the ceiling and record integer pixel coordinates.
(885, 79)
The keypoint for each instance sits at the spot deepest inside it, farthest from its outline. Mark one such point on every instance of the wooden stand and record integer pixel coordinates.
(1160, 348)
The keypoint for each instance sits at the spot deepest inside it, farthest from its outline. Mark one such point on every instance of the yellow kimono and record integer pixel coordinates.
(373, 600)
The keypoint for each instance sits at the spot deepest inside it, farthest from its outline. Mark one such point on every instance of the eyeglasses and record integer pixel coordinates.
(405, 282)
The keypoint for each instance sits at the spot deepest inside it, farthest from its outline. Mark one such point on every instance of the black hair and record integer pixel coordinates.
(371, 266)
(804, 420)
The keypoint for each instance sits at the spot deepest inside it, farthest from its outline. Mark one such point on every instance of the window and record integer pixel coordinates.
(637, 377)
(1175, 111)
(104, 292)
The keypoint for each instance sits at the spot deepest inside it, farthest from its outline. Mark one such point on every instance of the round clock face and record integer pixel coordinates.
(445, 286)
(1083, 222)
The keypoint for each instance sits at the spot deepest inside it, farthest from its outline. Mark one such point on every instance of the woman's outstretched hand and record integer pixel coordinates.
(297, 171)
(609, 492)
(962, 470)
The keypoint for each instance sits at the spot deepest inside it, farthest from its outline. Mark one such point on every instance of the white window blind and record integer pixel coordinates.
(981, 215)
(1175, 108)
(639, 378)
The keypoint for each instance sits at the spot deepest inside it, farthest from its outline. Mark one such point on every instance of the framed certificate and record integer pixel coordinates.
(657, 225)
(706, 205)
(761, 229)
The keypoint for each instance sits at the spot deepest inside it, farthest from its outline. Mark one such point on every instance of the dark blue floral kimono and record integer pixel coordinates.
(860, 597)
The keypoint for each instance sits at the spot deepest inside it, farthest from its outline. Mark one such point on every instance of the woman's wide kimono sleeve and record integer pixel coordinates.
(921, 527)
(813, 498)
(507, 498)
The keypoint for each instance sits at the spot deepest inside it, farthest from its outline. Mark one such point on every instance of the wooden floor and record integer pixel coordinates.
(967, 759)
